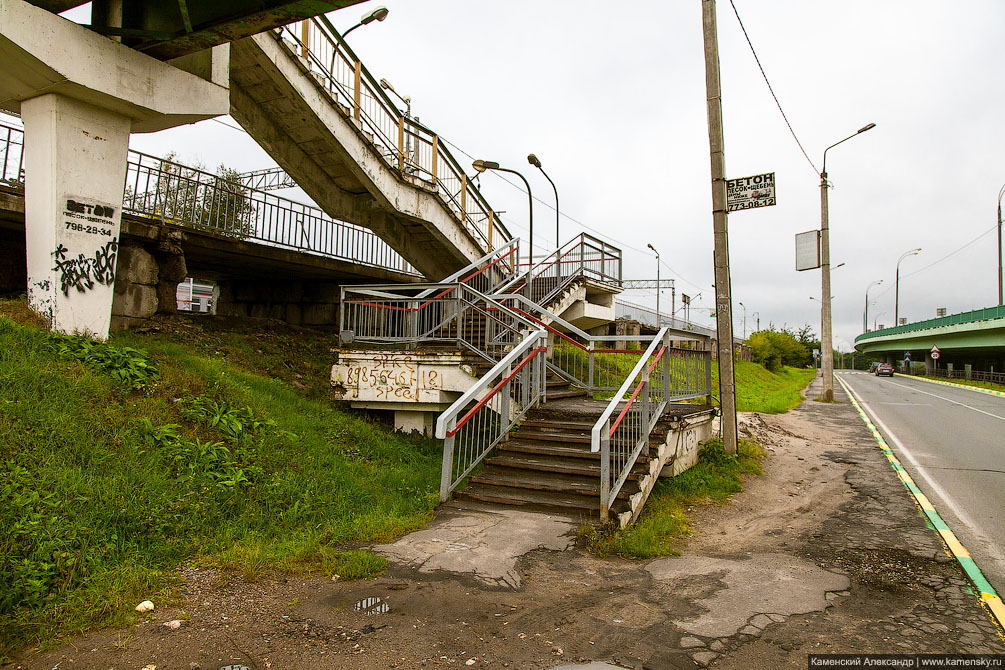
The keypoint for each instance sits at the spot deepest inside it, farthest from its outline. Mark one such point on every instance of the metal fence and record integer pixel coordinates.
(966, 375)
(223, 205)
(584, 256)
(660, 376)
(405, 144)
(481, 418)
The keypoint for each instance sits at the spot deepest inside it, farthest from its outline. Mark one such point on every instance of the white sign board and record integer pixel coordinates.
(750, 192)
(808, 250)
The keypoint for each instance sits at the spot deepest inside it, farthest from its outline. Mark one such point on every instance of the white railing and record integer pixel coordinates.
(662, 375)
(482, 417)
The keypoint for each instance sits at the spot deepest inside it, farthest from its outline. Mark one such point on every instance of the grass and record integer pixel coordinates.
(664, 519)
(118, 462)
(758, 390)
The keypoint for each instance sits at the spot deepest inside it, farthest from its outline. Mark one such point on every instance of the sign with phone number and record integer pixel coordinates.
(750, 192)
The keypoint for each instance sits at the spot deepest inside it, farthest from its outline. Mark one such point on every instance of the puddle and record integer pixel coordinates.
(372, 606)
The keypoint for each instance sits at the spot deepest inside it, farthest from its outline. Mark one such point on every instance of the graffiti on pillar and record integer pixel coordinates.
(84, 272)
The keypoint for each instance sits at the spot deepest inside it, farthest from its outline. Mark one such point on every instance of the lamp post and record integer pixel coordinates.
(744, 319)
(536, 162)
(481, 166)
(407, 99)
(1001, 193)
(658, 318)
(865, 314)
(875, 320)
(896, 292)
(825, 277)
(378, 14)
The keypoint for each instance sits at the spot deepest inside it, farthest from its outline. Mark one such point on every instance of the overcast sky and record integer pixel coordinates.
(611, 98)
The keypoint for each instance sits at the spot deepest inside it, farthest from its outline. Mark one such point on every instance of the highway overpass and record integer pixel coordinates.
(972, 340)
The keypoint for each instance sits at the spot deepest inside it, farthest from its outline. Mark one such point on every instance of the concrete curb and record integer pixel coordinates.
(989, 599)
(1000, 394)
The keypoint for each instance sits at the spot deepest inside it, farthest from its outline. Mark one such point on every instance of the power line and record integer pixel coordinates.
(949, 255)
(763, 74)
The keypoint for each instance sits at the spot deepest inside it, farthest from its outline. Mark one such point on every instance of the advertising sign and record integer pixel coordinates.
(808, 250)
(750, 192)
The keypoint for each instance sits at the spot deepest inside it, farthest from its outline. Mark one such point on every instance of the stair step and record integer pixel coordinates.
(544, 464)
(571, 393)
(590, 489)
(537, 499)
(558, 425)
(584, 453)
(565, 437)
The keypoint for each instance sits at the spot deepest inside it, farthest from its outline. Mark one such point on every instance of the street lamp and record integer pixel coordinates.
(744, 319)
(407, 99)
(865, 314)
(896, 293)
(1001, 193)
(658, 319)
(481, 166)
(378, 14)
(825, 276)
(536, 162)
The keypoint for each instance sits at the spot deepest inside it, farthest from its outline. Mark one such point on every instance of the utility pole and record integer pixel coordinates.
(723, 301)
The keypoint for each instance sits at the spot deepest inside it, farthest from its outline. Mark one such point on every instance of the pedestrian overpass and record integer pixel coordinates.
(973, 341)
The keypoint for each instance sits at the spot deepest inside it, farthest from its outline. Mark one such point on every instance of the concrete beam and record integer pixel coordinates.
(45, 53)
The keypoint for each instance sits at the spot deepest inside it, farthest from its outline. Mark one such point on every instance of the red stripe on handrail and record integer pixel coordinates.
(495, 389)
(635, 394)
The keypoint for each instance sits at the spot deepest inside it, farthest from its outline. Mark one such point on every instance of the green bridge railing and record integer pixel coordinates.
(951, 320)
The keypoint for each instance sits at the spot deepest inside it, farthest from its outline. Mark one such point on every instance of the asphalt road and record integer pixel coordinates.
(952, 442)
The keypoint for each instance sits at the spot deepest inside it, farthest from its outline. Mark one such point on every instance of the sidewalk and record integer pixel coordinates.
(824, 553)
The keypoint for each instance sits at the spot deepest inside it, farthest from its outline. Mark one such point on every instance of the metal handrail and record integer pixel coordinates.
(482, 417)
(620, 441)
(222, 205)
(582, 256)
(403, 143)
(11, 155)
(972, 316)
(624, 309)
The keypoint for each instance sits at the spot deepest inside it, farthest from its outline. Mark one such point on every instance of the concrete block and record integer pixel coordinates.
(320, 313)
(235, 309)
(259, 310)
(167, 297)
(294, 314)
(246, 292)
(172, 268)
(320, 292)
(135, 265)
(277, 311)
(226, 291)
(136, 301)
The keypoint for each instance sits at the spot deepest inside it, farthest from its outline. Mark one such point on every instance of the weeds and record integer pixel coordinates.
(715, 477)
(110, 479)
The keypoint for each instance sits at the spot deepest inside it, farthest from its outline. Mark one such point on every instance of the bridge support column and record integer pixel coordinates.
(76, 162)
(929, 364)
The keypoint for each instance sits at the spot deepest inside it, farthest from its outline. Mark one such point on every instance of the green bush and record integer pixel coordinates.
(777, 349)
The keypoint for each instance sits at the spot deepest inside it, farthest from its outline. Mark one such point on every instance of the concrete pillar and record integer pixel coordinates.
(75, 164)
(929, 363)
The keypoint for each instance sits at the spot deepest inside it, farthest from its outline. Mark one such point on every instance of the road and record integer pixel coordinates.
(952, 442)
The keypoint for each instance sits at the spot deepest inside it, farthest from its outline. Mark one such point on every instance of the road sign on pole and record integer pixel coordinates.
(935, 353)
(808, 250)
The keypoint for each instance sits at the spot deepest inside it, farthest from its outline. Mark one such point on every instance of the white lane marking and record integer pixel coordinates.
(954, 402)
(933, 485)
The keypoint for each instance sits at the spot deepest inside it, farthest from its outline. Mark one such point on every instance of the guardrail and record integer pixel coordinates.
(222, 204)
(973, 316)
(406, 145)
(481, 418)
(662, 375)
(966, 375)
(583, 256)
